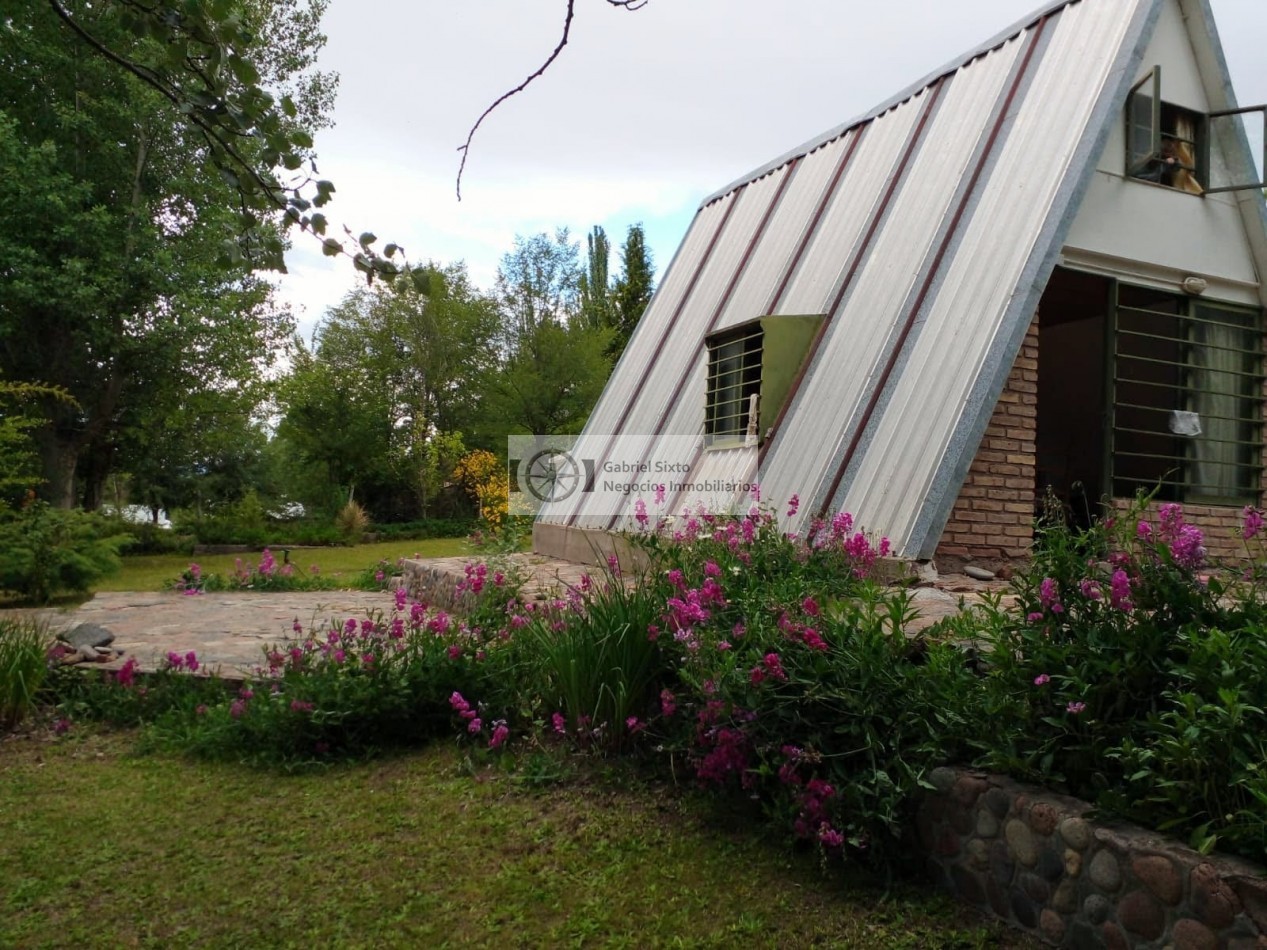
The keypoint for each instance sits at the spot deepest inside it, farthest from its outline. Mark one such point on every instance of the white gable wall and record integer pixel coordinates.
(1124, 223)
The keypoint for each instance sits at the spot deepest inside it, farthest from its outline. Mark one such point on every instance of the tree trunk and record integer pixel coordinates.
(59, 457)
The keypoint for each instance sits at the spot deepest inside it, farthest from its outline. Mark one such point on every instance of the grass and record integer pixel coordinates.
(107, 848)
(158, 571)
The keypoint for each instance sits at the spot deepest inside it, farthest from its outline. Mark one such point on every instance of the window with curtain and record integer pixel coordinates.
(1187, 391)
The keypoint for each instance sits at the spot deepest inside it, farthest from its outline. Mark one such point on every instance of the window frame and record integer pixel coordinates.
(1176, 482)
(1137, 163)
(1262, 154)
(731, 427)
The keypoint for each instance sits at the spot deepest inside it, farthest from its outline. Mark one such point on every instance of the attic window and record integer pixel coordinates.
(734, 385)
(1162, 140)
(752, 370)
(1191, 151)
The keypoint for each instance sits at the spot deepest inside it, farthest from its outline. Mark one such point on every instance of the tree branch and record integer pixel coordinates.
(465, 147)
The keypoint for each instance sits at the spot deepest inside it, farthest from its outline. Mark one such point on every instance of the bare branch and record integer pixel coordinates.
(563, 41)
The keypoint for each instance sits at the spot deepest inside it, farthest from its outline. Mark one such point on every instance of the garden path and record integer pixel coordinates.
(228, 630)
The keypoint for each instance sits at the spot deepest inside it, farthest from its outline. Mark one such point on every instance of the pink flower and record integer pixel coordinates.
(458, 702)
(793, 505)
(500, 732)
(659, 494)
(298, 705)
(1144, 531)
(829, 836)
(668, 703)
(810, 606)
(475, 725)
(127, 673)
(191, 661)
(640, 513)
(559, 723)
(1252, 522)
(1120, 591)
(1075, 708)
(175, 660)
(723, 645)
(633, 724)
(237, 709)
(1042, 679)
(61, 727)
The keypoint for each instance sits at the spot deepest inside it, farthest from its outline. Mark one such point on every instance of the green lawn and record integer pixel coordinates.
(103, 847)
(158, 571)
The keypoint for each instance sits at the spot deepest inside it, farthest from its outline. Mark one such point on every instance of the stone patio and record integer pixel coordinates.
(228, 631)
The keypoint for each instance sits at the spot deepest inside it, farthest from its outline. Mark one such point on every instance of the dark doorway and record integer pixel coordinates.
(1072, 405)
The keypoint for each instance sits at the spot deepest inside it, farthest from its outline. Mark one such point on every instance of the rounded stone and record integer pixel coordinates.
(1043, 818)
(987, 824)
(1077, 833)
(1141, 913)
(1073, 862)
(968, 789)
(1024, 910)
(1052, 925)
(961, 819)
(1105, 872)
(1158, 874)
(998, 802)
(1214, 902)
(1065, 899)
(1035, 887)
(977, 853)
(1020, 840)
(1082, 934)
(1050, 865)
(1189, 934)
(943, 778)
(1002, 864)
(996, 894)
(1096, 908)
(966, 885)
(1113, 937)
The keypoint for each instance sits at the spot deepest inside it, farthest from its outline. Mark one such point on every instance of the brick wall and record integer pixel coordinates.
(993, 516)
(1221, 527)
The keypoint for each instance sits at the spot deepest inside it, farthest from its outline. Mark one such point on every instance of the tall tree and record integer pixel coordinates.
(554, 360)
(393, 376)
(538, 281)
(111, 278)
(633, 288)
(595, 285)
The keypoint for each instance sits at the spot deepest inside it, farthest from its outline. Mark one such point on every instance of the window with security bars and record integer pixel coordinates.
(734, 379)
(1187, 392)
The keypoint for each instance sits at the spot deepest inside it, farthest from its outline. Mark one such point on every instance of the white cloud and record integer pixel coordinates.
(643, 115)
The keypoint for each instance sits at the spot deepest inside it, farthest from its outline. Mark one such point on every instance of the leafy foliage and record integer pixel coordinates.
(44, 551)
(24, 645)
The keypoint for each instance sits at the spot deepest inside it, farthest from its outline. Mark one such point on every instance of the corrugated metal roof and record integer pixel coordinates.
(924, 231)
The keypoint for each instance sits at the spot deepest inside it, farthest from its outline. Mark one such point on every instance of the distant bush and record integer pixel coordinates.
(352, 522)
(45, 551)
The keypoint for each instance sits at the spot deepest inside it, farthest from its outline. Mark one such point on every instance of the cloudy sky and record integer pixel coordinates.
(643, 115)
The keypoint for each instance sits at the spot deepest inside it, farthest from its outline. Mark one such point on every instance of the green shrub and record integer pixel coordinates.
(45, 550)
(24, 646)
(1134, 681)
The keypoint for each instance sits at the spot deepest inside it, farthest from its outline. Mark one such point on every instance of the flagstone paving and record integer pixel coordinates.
(228, 631)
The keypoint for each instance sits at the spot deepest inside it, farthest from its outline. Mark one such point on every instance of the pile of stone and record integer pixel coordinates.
(86, 643)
